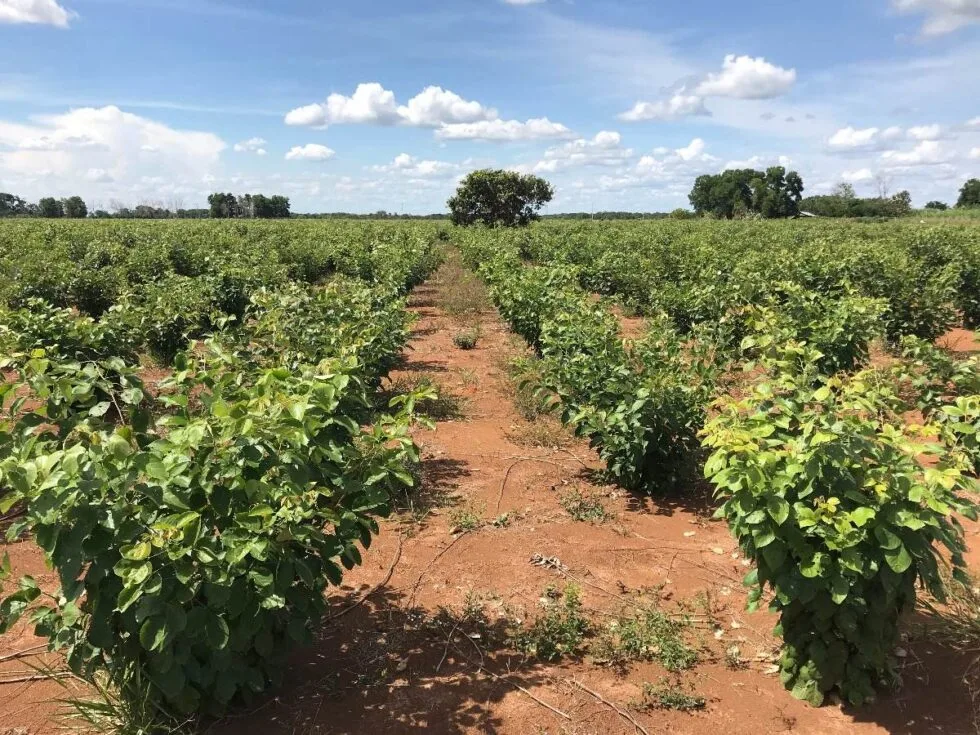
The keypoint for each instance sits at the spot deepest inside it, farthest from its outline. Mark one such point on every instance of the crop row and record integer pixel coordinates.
(840, 503)
(196, 519)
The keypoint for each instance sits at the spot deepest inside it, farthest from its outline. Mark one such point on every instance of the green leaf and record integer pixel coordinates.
(778, 509)
(898, 559)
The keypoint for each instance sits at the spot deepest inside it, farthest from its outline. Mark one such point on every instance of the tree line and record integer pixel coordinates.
(221, 206)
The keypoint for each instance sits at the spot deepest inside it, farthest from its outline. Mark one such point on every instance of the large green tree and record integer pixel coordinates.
(12, 205)
(969, 194)
(738, 192)
(499, 198)
(75, 208)
(50, 207)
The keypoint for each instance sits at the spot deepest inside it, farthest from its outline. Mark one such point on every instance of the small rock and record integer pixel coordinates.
(718, 550)
(689, 534)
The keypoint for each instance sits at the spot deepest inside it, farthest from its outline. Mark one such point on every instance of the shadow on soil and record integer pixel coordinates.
(385, 668)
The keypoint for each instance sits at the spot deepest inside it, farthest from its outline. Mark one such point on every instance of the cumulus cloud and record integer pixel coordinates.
(759, 162)
(413, 167)
(370, 103)
(252, 145)
(678, 106)
(505, 130)
(925, 132)
(973, 124)
(435, 106)
(67, 153)
(975, 153)
(741, 77)
(452, 116)
(747, 78)
(941, 16)
(605, 149)
(857, 177)
(926, 153)
(310, 152)
(851, 139)
(43, 12)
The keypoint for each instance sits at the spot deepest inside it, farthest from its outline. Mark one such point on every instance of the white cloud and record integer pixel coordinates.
(370, 103)
(926, 153)
(942, 16)
(435, 106)
(605, 149)
(973, 124)
(759, 162)
(45, 12)
(849, 138)
(692, 150)
(678, 106)
(504, 130)
(975, 154)
(857, 177)
(925, 132)
(64, 154)
(252, 145)
(745, 77)
(98, 176)
(310, 152)
(424, 169)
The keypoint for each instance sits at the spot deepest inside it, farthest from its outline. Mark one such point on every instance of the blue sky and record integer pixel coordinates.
(385, 105)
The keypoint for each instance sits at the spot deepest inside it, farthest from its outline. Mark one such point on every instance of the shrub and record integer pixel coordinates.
(466, 339)
(192, 553)
(823, 488)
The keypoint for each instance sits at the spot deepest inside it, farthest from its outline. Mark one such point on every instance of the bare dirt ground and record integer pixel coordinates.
(417, 636)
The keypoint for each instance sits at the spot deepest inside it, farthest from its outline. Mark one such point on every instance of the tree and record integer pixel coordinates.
(739, 192)
(969, 194)
(12, 205)
(50, 207)
(941, 206)
(74, 208)
(223, 206)
(902, 203)
(499, 198)
(844, 190)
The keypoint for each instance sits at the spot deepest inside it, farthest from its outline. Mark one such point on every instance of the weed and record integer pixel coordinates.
(734, 660)
(446, 406)
(502, 521)
(464, 519)
(526, 376)
(469, 378)
(583, 506)
(467, 339)
(461, 292)
(543, 432)
(671, 695)
(649, 634)
(560, 631)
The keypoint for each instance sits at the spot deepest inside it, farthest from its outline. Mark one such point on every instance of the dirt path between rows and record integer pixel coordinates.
(417, 640)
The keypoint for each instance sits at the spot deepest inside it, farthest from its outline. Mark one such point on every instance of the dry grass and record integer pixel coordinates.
(461, 294)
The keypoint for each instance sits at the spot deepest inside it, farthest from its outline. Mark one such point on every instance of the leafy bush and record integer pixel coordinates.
(823, 488)
(840, 326)
(195, 551)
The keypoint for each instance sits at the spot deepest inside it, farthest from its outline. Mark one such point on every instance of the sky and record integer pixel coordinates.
(386, 104)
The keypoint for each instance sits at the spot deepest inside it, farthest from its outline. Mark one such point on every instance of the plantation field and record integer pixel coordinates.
(314, 476)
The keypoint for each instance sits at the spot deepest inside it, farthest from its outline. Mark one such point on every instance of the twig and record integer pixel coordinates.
(32, 651)
(428, 568)
(363, 598)
(621, 712)
(517, 461)
(36, 677)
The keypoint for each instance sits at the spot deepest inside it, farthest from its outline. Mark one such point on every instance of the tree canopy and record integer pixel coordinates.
(969, 194)
(499, 198)
(740, 192)
(224, 206)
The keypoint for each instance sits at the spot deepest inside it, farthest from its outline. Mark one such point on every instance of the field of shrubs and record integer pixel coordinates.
(194, 429)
